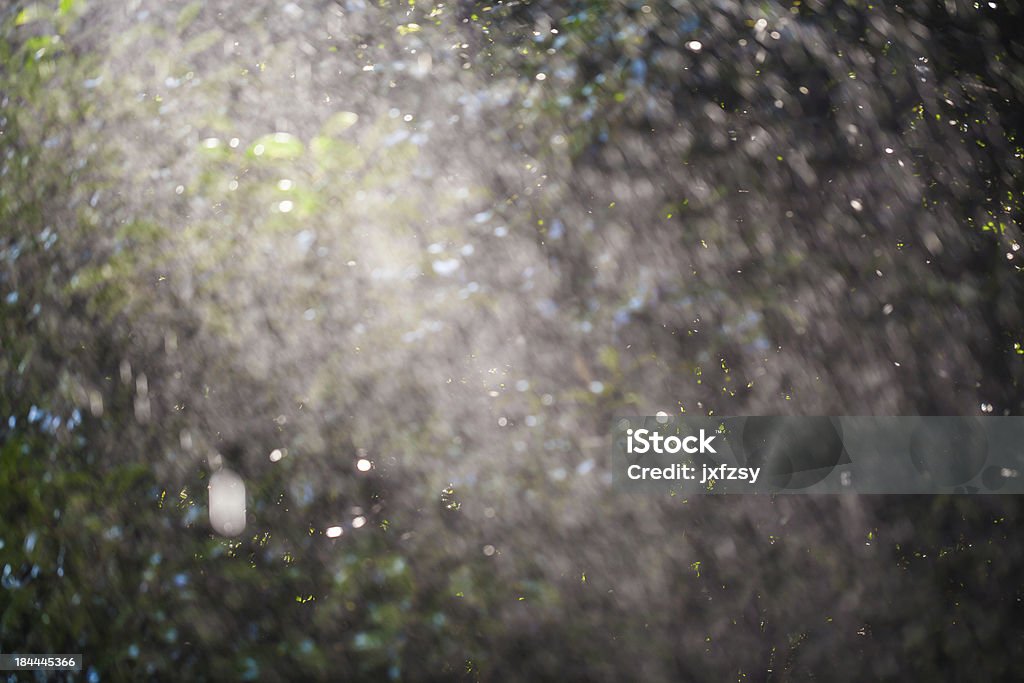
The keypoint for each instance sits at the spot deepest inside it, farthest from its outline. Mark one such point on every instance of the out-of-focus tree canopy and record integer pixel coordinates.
(397, 265)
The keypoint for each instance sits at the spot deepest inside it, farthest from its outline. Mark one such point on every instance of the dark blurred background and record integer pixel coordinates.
(394, 266)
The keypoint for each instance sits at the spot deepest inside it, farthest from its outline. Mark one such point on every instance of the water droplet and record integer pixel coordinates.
(227, 503)
(445, 267)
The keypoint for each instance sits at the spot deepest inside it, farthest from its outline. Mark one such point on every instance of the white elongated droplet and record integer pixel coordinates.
(227, 503)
